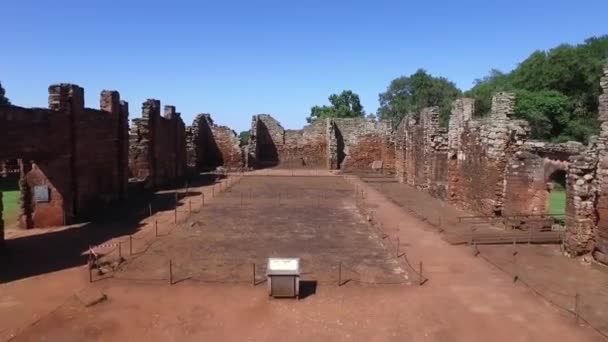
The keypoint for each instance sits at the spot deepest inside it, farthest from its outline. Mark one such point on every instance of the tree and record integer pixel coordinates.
(244, 137)
(410, 94)
(344, 105)
(3, 99)
(557, 90)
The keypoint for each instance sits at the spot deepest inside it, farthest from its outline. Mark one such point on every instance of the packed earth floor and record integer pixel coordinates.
(218, 231)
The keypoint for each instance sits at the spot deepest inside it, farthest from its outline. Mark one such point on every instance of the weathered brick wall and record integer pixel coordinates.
(211, 145)
(357, 143)
(157, 146)
(584, 237)
(528, 180)
(423, 161)
(272, 145)
(581, 196)
(78, 153)
(478, 157)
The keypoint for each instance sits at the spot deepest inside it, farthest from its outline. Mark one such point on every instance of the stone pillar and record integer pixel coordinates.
(69, 100)
(149, 130)
(123, 153)
(169, 112)
(332, 145)
(462, 113)
(600, 233)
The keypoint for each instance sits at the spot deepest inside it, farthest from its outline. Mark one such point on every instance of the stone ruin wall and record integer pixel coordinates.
(211, 146)
(587, 202)
(528, 182)
(345, 144)
(354, 144)
(272, 145)
(78, 153)
(480, 154)
(422, 152)
(601, 234)
(157, 146)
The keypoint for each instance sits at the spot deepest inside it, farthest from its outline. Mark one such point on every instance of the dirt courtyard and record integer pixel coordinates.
(313, 218)
(325, 220)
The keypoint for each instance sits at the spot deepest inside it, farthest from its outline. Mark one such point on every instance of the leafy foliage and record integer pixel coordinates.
(244, 137)
(343, 105)
(3, 99)
(412, 93)
(557, 90)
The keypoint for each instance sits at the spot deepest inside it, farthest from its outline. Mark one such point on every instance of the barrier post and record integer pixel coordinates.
(155, 228)
(577, 302)
(170, 272)
(190, 206)
(130, 244)
(397, 249)
(420, 273)
(339, 274)
(119, 249)
(203, 198)
(515, 276)
(253, 269)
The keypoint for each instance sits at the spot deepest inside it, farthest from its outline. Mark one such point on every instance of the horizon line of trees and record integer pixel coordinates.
(556, 92)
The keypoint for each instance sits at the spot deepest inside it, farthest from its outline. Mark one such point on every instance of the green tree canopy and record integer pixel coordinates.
(412, 93)
(557, 90)
(244, 137)
(3, 99)
(343, 105)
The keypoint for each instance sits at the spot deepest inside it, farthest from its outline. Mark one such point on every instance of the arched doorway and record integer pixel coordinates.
(556, 185)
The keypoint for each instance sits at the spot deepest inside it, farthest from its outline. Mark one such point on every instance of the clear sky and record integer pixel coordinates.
(234, 59)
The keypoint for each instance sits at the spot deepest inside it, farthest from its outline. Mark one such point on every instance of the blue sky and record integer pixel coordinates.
(238, 58)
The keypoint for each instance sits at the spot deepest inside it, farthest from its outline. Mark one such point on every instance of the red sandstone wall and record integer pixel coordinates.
(211, 145)
(271, 145)
(423, 160)
(75, 151)
(157, 146)
(364, 141)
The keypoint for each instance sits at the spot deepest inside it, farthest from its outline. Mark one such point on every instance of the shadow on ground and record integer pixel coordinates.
(38, 254)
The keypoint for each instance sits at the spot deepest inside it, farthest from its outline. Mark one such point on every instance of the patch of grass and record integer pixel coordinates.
(557, 200)
(10, 202)
(10, 199)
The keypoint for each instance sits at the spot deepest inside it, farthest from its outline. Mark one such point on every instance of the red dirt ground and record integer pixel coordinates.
(464, 299)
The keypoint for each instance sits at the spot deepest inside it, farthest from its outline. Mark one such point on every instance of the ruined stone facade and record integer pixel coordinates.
(74, 158)
(356, 143)
(211, 145)
(480, 155)
(157, 146)
(272, 145)
(337, 144)
(422, 147)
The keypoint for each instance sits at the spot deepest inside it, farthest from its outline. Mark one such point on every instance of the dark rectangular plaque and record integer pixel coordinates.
(42, 193)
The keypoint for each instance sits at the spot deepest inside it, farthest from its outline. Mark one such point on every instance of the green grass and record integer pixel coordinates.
(557, 200)
(10, 200)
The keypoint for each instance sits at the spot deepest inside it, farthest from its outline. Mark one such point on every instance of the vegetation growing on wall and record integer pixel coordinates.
(557, 90)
